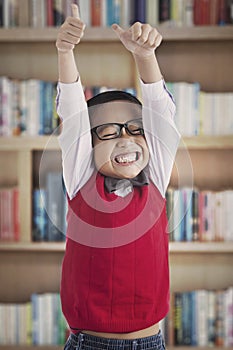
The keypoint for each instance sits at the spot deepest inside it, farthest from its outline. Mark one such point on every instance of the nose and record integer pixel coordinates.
(125, 139)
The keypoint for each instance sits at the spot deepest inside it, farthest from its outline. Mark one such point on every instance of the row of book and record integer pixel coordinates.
(27, 107)
(49, 210)
(196, 318)
(42, 13)
(196, 215)
(9, 214)
(201, 113)
(39, 321)
(200, 318)
(193, 215)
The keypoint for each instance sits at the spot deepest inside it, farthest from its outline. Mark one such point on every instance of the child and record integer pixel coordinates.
(117, 160)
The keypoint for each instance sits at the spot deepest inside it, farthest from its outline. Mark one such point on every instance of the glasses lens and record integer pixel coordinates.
(108, 131)
(135, 127)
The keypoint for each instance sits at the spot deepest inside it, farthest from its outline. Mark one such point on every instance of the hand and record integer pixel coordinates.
(140, 39)
(71, 31)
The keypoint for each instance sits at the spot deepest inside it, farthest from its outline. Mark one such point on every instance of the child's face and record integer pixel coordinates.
(127, 155)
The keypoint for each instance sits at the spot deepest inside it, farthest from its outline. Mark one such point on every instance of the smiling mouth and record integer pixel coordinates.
(127, 158)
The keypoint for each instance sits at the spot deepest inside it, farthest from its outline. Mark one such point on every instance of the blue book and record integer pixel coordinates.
(55, 206)
(188, 222)
(113, 12)
(193, 319)
(140, 11)
(47, 108)
(186, 317)
(40, 219)
(178, 218)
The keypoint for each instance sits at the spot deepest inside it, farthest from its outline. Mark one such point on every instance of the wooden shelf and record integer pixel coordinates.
(174, 247)
(32, 246)
(13, 143)
(51, 142)
(201, 247)
(105, 34)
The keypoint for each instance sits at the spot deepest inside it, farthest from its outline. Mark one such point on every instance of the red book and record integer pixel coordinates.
(49, 9)
(16, 221)
(96, 9)
(201, 12)
(223, 14)
(214, 12)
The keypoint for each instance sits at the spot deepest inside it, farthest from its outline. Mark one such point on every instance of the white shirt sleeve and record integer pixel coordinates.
(160, 131)
(75, 138)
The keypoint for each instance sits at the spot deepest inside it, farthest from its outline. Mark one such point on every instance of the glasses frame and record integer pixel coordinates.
(125, 126)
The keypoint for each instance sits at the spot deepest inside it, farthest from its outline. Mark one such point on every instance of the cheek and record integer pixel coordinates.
(102, 153)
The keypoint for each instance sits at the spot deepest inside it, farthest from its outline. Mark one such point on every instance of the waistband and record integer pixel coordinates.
(92, 342)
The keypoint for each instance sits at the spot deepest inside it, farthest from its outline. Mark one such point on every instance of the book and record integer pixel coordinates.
(152, 12)
(9, 214)
(178, 328)
(96, 13)
(40, 219)
(55, 206)
(37, 13)
(164, 11)
(113, 12)
(58, 15)
(85, 11)
(140, 11)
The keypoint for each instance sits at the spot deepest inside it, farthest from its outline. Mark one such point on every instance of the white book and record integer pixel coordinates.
(211, 316)
(177, 10)
(202, 322)
(33, 98)
(5, 129)
(188, 13)
(104, 14)
(228, 319)
(219, 215)
(6, 14)
(152, 12)
(125, 13)
(228, 219)
(85, 11)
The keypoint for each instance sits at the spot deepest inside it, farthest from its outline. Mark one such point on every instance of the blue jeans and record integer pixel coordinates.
(83, 341)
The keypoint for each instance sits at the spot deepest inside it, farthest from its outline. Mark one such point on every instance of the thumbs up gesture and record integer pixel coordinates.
(140, 39)
(70, 32)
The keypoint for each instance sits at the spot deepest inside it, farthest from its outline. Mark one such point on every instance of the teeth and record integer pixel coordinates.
(126, 158)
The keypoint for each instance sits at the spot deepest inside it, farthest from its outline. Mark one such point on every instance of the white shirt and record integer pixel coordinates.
(76, 144)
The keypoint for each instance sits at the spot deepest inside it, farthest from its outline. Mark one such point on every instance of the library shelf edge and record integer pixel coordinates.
(174, 247)
(104, 34)
(18, 143)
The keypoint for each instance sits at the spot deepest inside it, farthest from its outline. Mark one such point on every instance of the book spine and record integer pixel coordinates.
(58, 14)
(140, 11)
(96, 13)
(164, 10)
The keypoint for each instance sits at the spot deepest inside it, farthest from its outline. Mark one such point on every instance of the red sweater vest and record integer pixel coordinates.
(115, 275)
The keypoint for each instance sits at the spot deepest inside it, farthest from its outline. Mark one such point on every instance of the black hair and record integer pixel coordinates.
(110, 96)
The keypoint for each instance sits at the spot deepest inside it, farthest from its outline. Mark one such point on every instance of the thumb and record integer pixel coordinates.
(117, 29)
(75, 11)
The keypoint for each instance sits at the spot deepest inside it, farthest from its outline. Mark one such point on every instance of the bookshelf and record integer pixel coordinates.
(201, 54)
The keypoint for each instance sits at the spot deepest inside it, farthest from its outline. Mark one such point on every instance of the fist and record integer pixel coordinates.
(71, 31)
(140, 39)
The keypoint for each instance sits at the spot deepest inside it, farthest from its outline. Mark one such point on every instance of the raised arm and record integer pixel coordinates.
(142, 40)
(69, 35)
(75, 138)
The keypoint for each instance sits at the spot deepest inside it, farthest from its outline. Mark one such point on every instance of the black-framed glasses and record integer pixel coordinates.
(110, 131)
